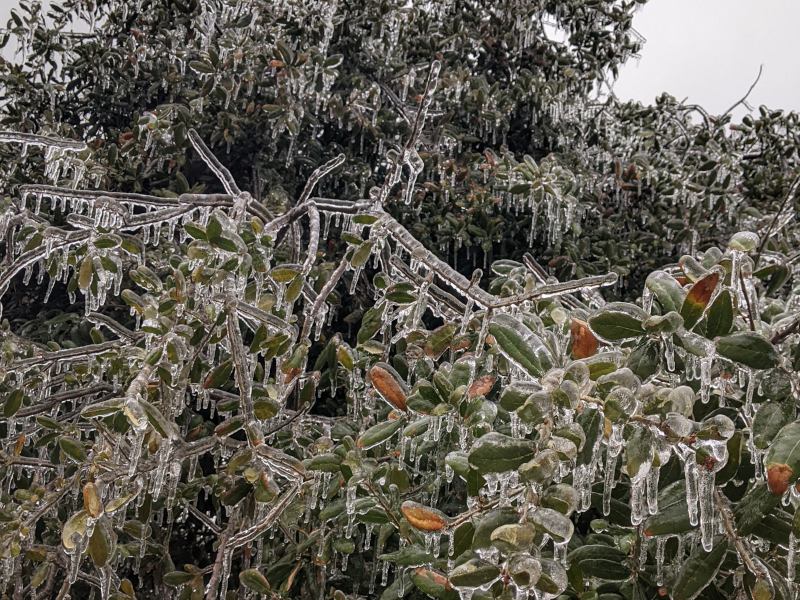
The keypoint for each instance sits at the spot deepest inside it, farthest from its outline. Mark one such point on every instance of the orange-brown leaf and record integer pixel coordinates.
(19, 445)
(698, 298)
(778, 477)
(583, 342)
(91, 500)
(433, 576)
(702, 290)
(423, 517)
(388, 387)
(481, 386)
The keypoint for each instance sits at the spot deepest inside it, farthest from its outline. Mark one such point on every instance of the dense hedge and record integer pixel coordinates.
(387, 299)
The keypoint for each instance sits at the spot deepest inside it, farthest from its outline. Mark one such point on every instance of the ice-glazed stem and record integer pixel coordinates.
(466, 287)
(314, 313)
(318, 174)
(737, 542)
(114, 326)
(208, 157)
(45, 141)
(31, 256)
(256, 313)
(248, 535)
(81, 352)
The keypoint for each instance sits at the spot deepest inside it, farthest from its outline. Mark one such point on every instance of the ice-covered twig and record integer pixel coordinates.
(441, 297)
(114, 326)
(31, 256)
(67, 354)
(314, 314)
(463, 285)
(766, 235)
(318, 174)
(248, 535)
(220, 171)
(244, 379)
(32, 139)
(246, 309)
(737, 542)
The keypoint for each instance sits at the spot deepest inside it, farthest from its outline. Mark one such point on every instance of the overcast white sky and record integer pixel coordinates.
(708, 51)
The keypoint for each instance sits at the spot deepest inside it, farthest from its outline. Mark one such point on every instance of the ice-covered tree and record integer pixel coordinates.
(325, 306)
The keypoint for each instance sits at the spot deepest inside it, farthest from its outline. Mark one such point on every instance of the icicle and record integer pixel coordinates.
(661, 543)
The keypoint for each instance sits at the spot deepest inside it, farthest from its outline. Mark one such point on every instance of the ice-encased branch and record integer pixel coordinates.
(32, 139)
(208, 157)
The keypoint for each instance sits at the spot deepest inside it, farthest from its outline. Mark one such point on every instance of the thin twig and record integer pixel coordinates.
(744, 99)
(728, 521)
(216, 573)
(747, 301)
(765, 238)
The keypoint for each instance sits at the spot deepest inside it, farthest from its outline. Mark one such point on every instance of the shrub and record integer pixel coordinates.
(320, 404)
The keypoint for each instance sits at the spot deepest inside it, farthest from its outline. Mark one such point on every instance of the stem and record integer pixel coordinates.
(216, 573)
(729, 527)
(792, 189)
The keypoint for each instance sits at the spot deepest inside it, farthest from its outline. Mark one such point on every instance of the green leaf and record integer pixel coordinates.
(748, 348)
(699, 570)
(751, 509)
(520, 345)
(667, 290)
(498, 453)
(433, 584)
(327, 462)
(195, 230)
(401, 297)
(371, 323)
(602, 562)
(783, 458)
(165, 428)
(379, 433)
(744, 241)
(720, 316)
(285, 273)
(639, 450)
(98, 547)
(474, 573)
(219, 376)
(177, 578)
(224, 244)
(513, 537)
(770, 419)
(645, 359)
(617, 322)
(72, 448)
(253, 580)
(264, 409)
(361, 254)
(12, 403)
(673, 515)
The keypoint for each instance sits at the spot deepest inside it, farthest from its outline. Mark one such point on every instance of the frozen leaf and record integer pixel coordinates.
(253, 580)
(520, 345)
(423, 517)
(699, 570)
(748, 348)
(389, 385)
(498, 453)
(618, 321)
(601, 562)
(698, 298)
(783, 458)
(666, 288)
(584, 343)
